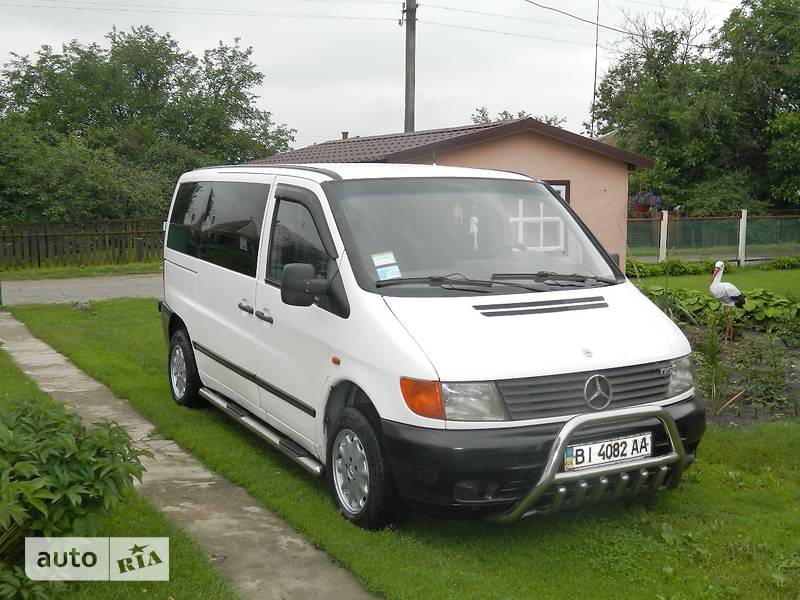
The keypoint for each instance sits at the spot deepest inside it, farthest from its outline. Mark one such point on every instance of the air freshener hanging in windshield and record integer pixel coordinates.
(473, 229)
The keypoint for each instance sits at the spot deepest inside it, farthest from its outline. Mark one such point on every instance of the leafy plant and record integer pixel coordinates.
(56, 476)
(15, 585)
(763, 310)
(681, 305)
(713, 372)
(764, 368)
(674, 267)
(671, 267)
(636, 268)
(783, 262)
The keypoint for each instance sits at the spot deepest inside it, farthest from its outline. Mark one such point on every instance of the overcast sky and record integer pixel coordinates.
(334, 72)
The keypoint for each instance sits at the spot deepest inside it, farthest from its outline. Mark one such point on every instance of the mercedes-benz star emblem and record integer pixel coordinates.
(597, 392)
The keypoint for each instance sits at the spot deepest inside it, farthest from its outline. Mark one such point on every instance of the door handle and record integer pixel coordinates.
(264, 317)
(246, 308)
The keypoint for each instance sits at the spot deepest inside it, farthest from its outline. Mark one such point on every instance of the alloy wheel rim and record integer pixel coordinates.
(177, 371)
(350, 471)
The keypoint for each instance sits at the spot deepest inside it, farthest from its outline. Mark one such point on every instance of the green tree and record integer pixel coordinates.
(719, 119)
(783, 156)
(660, 101)
(67, 181)
(481, 115)
(138, 112)
(759, 59)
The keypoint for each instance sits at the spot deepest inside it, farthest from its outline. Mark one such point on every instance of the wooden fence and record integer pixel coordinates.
(33, 245)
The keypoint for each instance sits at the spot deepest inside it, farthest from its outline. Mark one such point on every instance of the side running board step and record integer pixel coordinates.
(265, 432)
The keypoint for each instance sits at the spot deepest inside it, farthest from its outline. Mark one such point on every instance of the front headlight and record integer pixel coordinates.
(680, 379)
(472, 402)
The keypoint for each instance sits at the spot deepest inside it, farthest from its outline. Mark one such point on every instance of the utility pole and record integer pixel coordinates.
(596, 46)
(409, 16)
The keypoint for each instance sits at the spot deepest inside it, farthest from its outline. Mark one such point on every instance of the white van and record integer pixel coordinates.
(423, 334)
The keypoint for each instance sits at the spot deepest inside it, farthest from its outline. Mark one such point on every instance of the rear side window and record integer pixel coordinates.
(295, 239)
(219, 222)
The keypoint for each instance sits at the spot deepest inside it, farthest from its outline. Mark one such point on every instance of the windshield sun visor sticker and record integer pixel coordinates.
(390, 272)
(382, 259)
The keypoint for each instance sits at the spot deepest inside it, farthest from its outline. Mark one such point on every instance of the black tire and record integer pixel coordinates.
(191, 388)
(382, 505)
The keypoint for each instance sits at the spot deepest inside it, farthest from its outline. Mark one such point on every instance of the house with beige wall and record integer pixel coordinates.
(590, 175)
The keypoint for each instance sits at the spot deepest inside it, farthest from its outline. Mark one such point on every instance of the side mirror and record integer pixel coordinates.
(615, 257)
(300, 286)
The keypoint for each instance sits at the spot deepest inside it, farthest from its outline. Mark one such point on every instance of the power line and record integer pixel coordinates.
(508, 33)
(110, 7)
(601, 25)
(576, 17)
(493, 14)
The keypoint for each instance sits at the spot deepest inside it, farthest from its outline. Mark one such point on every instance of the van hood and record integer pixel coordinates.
(480, 338)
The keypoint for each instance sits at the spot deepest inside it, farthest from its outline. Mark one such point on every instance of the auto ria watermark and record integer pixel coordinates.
(97, 559)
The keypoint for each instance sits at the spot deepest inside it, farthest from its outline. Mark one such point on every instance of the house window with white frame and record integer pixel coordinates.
(538, 227)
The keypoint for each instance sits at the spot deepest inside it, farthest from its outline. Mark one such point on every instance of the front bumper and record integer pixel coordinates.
(518, 471)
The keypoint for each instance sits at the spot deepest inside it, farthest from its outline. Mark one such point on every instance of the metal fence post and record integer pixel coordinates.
(662, 238)
(743, 237)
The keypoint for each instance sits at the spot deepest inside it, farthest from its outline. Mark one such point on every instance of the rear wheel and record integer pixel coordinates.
(359, 474)
(184, 381)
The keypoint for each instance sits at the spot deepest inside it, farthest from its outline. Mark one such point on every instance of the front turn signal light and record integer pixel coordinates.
(423, 397)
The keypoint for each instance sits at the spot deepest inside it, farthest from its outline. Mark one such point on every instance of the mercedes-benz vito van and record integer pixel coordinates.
(426, 335)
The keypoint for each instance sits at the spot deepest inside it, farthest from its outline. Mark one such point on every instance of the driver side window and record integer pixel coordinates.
(294, 239)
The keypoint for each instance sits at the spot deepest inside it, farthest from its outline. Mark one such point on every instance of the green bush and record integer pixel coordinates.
(783, 262)
(14, 584)
(763, 310)
(56, 476)
(674, 267)
(671, 267)
(636, 268)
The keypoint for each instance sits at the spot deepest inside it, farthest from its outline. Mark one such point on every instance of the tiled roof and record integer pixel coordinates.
(373, 148)
(398, 147)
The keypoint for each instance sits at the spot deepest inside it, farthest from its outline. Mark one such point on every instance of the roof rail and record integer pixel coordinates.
(320, 170)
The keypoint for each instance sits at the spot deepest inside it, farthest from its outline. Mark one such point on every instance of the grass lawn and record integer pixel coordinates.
(746, 278)
(192, 576)
(730, 530)
(86, 271)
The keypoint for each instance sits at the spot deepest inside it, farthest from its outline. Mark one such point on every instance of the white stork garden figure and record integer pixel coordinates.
(727, 294)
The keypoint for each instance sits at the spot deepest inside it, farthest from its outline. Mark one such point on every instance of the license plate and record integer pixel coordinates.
(583, 456)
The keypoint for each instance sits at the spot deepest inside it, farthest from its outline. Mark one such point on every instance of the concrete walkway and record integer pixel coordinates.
(257, 551)
(52, 291)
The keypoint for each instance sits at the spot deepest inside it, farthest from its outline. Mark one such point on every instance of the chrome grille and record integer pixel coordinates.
(561, 395)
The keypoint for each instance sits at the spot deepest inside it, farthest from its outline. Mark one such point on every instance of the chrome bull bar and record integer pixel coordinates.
(552, 478)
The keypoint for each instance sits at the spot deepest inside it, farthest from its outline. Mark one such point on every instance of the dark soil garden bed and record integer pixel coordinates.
(754, 378)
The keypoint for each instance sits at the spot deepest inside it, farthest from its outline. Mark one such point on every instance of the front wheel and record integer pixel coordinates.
(359, 473)
(184, 381)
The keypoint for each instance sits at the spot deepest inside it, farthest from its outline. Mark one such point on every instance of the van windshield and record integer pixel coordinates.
(445, 236)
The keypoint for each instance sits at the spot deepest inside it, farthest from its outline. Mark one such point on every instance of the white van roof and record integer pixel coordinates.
(335, 171)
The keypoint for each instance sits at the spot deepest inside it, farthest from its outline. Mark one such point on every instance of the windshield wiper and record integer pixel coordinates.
(450, 281)
(432, 280)
(553, 276)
